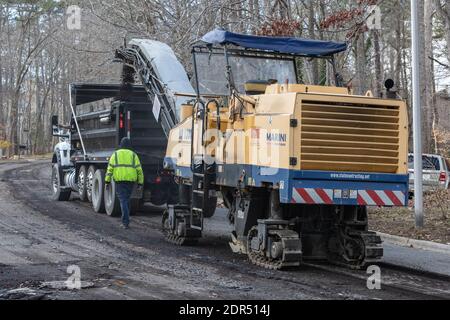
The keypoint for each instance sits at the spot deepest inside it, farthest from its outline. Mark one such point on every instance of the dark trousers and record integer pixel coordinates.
(124, 191)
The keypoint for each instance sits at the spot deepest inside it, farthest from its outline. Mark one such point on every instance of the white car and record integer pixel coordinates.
(436, 173)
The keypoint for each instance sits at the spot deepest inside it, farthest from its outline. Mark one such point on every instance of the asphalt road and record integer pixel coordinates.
(40, 239)
(418, 259)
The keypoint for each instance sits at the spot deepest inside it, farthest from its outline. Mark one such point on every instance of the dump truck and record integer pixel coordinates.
(102, 114)
(297, 165)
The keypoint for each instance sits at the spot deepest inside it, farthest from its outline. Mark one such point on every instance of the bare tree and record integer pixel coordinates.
(443, 8)
(39, 56)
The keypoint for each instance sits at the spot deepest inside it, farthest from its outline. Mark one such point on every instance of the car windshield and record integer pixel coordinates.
(429, 163)
(211, 71)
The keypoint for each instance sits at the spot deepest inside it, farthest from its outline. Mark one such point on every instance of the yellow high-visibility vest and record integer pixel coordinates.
(124, 166)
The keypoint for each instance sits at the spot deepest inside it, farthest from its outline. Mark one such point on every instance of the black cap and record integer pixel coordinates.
(125, 143)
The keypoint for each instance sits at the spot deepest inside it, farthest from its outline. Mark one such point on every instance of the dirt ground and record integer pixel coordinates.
(401, 221)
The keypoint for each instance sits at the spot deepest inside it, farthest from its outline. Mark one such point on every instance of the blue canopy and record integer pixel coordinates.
(287, 45)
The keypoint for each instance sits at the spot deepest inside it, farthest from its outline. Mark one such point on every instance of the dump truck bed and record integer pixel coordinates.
(102, 131)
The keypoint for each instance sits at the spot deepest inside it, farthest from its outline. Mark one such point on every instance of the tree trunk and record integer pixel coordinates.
(378, 67)
(314, 64)
(426, 72)
(444, 12)
(361, 65)
(398, 50)
(14, 117)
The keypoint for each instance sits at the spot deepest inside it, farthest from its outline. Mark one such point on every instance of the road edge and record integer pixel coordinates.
(413, 243)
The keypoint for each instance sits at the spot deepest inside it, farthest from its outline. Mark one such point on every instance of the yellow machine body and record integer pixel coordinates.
(296, 165)
(300, 127)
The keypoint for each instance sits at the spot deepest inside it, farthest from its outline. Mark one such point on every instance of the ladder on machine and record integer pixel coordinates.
(203, 172)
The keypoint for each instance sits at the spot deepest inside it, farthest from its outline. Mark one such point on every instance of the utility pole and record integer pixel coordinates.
(417, 117)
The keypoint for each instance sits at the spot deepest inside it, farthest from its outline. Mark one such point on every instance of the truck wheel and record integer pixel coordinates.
(112, 204)
(89, 182)
(98, 188)
(57, 193)
(82, 177)
(211, 208)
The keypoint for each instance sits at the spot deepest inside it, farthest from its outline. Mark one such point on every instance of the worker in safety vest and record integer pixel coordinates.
(125, 168)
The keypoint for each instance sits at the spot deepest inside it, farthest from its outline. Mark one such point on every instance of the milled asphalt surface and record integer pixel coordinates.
(40, 238)
(419, 259)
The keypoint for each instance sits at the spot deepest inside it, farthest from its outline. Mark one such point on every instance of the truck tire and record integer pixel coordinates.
(98, 190)
(58, 194)
(211, 208)
(82, 176)
(112, 204)
(89, 182)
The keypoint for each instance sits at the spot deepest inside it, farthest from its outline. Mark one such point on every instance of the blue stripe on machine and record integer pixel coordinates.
(257, 176)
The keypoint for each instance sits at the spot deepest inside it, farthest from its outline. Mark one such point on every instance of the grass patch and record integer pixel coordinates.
(401, 221)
